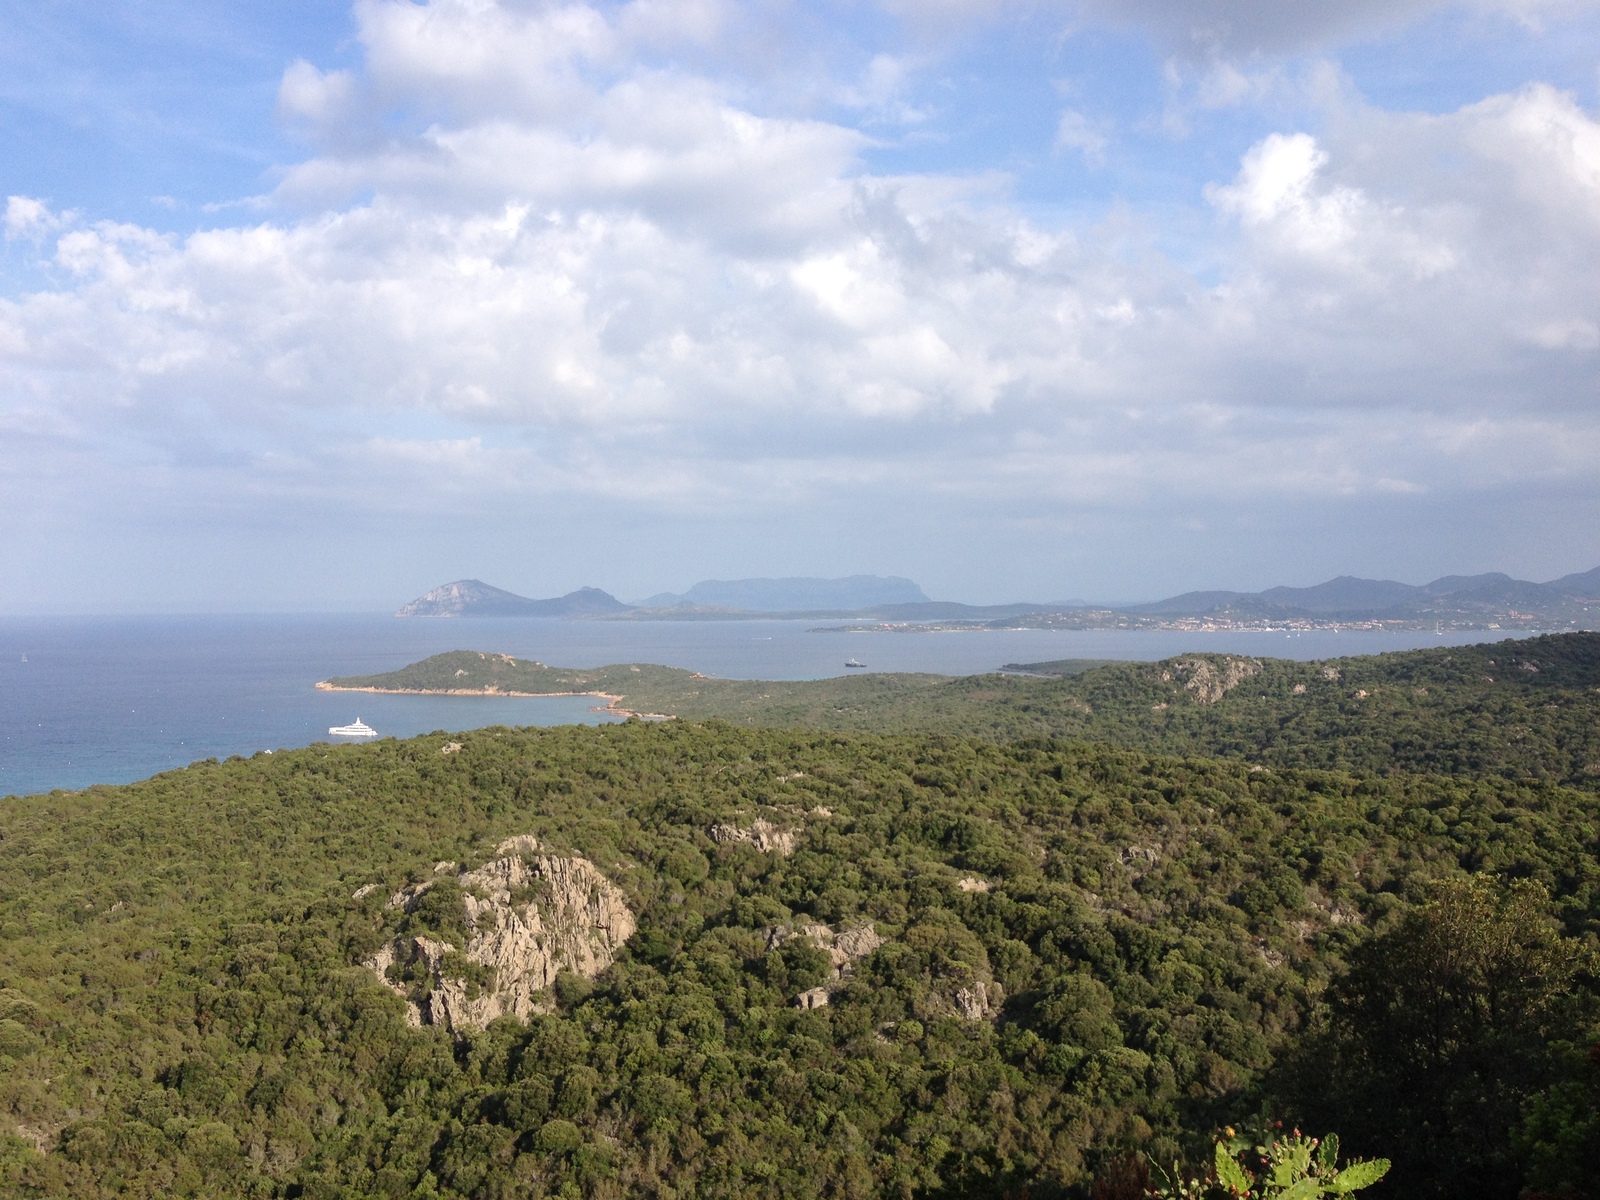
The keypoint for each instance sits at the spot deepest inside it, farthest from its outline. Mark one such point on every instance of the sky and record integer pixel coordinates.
(312, 306)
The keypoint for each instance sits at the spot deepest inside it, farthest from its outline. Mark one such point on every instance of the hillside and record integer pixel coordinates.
(862, 965)
(1516, 709)
(474, 598)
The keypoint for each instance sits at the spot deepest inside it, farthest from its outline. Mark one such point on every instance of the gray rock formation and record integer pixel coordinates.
(764, 835)
(1210, 683)
(980, 1000)
(529, 916)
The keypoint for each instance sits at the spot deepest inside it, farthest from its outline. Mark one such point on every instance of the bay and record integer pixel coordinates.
(87, 700)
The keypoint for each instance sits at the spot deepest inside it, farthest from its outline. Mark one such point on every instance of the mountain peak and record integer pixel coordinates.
(474, 598)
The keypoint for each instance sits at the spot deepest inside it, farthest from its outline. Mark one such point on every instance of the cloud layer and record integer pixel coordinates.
(528, 257)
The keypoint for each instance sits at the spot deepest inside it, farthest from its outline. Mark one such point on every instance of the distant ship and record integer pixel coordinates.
(854, 663)
(356, 730)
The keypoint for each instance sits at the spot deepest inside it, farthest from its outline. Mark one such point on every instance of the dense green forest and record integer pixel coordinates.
(1073, 957)
(1527, 709)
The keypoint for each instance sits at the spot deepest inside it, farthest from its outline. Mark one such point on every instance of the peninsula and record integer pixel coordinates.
(1525, 709)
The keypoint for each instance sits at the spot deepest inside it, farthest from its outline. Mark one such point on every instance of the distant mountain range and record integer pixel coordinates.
(710, 598)
(793, 594)
(1451, 597)
(474, 598)
(1460, 601)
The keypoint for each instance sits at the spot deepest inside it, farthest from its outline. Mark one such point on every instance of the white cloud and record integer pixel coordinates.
(588, 276)
(881, 90)
(1074, 131)
(316, 98)
(27, 217)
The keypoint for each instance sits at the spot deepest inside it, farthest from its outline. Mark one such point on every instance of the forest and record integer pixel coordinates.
(1074, 965)
(1517, 709)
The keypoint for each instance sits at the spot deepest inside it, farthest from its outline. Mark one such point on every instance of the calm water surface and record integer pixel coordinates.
(111, 700)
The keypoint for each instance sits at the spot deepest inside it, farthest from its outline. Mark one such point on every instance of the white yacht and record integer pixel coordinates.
(854, 663)
(358, 729)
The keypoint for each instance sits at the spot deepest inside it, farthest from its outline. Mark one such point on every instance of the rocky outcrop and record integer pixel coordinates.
(529, 916)
(764, 835)
(1140, 859)
(843, 947)
(980, 1000)
(1209, 682)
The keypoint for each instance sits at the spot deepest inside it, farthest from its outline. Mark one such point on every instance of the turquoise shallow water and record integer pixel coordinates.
(111, 700)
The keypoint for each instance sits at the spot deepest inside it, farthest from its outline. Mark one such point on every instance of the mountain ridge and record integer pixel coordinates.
(793, 593)
(1351, 596)
(474, 598)
(1490, 600)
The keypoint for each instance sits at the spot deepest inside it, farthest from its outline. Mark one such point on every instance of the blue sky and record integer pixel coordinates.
(306, 305)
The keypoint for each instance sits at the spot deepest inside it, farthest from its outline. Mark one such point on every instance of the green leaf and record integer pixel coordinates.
(1306, 1189)
(1328, 1152)
(1230, 1172)
(1361, 1174)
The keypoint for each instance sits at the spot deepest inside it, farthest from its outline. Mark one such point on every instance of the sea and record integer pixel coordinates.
(88, 700)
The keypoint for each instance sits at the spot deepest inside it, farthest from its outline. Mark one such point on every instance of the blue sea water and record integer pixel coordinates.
(87, 700)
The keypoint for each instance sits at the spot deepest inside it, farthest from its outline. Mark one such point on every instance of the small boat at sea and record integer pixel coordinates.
(358, 729)
(853, 663)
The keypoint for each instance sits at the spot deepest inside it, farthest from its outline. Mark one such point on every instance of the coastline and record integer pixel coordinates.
(612, 703)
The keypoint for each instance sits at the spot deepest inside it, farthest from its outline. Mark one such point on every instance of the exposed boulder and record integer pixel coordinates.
(528, 917)
(817, 997)
(763, 834)
(1140, 859)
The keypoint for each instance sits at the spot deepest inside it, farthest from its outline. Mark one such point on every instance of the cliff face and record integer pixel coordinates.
(528, 916)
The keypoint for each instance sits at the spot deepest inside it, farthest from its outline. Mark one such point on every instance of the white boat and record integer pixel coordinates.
(854, 663)
(358, 729)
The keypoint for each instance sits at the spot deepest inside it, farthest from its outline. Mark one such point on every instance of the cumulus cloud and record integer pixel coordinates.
(588, 276)
(27, 217)
(1449, 247)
